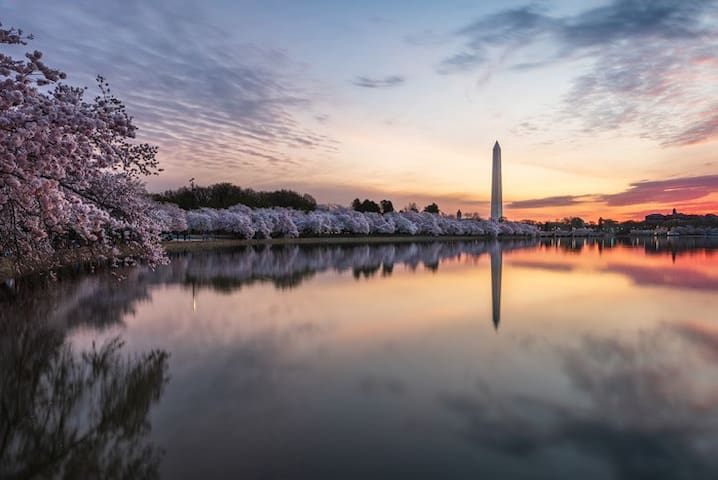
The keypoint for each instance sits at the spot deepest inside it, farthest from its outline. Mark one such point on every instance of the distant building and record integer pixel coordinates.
(656, 218)
(659, 217)
(497, 208)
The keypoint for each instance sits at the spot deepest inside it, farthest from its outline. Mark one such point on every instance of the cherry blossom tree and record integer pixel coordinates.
(169, 217)
(264, 223)
(200, 221)
(70, 177)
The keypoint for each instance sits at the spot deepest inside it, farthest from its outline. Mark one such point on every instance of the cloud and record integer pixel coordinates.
(669, 191)
(389, 81)
(208, 99)
(698, 131)
(461, 62)
(652, 64)
(556, 201)
(620, 20)
(664, 191)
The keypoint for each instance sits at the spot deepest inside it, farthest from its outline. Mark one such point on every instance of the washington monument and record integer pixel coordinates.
(497, 209)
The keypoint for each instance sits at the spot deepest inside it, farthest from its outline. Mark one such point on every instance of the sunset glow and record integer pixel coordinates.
(603, 109)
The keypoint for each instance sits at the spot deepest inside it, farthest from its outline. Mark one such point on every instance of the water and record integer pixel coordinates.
(441, 360)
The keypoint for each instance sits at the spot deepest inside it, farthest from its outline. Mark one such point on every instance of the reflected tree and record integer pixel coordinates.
(66, 414)
(288, 266)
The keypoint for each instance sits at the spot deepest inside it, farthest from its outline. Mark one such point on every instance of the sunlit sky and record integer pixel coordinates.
(601, 108)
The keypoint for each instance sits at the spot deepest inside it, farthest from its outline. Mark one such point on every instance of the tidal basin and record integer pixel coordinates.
(527, 359)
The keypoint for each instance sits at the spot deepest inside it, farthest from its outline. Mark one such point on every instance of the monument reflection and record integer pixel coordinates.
(496, 267)
(353, 361)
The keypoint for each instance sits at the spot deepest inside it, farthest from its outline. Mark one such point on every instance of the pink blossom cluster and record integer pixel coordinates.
(169, 217)
(70, 179)
(286, 222)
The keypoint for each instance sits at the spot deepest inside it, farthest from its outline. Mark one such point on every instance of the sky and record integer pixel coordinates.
(602, 108)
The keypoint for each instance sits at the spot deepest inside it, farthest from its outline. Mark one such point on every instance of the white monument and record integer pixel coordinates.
(497, 209)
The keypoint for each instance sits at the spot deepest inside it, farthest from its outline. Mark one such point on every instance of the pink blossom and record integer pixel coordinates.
(69, 177)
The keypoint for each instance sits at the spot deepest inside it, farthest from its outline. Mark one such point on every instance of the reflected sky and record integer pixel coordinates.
(384, 361)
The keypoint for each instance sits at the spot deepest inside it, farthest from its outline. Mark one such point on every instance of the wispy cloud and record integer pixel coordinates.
(209, 100)
(653, 63)
(382, 82)
(674, 190)
(556, 201)
(664, 191)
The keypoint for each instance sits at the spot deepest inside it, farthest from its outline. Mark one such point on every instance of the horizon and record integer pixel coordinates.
(600, 108)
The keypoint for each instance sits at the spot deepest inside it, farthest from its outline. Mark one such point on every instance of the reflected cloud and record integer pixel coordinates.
(675, 277)
(643, 414)
(377, 385)
(103, 300)
(702, 334)
(628, 404)
(682, 275)
(554, 267)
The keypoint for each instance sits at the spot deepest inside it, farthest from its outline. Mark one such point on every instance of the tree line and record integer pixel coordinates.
(615, 227)
(386, 206)
(225, 195)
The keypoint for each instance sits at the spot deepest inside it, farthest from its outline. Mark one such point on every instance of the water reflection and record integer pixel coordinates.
(641, 414)
(673, 246)
(289, 266)
(102, 301)
(496, 267)
(66, 413)
(368, 362)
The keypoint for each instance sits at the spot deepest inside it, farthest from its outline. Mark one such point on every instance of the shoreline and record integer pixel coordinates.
(179, 246)
(188, 245)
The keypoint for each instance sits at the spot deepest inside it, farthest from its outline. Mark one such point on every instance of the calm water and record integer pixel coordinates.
(441, 360)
